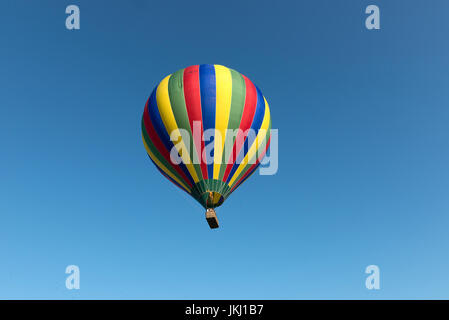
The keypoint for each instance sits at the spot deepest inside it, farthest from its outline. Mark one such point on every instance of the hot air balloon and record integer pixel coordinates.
(179, 117)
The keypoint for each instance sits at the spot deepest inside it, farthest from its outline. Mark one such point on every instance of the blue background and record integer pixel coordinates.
(363, 151)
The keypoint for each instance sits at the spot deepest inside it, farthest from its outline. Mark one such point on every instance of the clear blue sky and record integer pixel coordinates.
(363, 151)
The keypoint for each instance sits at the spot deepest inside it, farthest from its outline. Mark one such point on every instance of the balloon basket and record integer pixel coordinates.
(211, 218)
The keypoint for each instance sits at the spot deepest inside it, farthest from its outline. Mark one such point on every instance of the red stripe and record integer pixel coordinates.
(192, 96)
(252, 167)
(160, 146)
(245, 123)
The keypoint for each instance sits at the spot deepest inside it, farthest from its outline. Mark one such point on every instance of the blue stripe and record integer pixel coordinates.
(255, 126)
(208, 104)
(159, 127)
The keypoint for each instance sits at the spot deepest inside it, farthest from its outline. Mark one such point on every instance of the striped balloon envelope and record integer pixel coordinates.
(206, 128)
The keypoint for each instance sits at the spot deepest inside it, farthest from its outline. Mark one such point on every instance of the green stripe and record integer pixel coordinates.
(178, 104)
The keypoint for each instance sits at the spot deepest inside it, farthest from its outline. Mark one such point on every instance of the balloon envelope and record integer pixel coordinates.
(206, 128)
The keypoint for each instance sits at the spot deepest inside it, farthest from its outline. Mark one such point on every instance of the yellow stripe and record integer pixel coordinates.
(261, 136)
(217, 197)
(168, 118)
(222, 111)
(160, 165)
